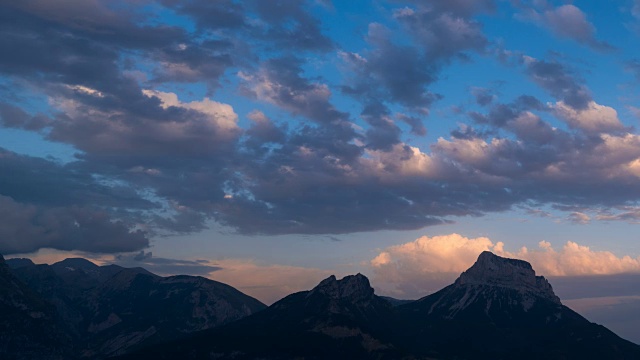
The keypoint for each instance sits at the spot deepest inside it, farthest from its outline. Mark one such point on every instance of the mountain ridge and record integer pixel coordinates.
(110, 310)
(497, 309)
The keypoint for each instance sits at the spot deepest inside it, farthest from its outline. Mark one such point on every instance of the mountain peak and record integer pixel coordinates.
(76, 263)
(494, 270)
(355, 287)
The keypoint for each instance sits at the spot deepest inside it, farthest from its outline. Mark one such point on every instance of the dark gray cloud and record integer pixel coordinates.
(211, 15)
(38, 181)
(555, 78)
(290, 24)
(445, 30)
(483, 96)
(415, 123)
(383, 132)
(45, 204)
(26, 228)
(392, 73)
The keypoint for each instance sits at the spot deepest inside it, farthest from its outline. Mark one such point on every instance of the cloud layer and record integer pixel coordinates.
(261, 119)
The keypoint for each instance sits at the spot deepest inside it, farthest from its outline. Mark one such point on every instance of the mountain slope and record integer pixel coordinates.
(499, 309)
(27, 322)
(109, 310)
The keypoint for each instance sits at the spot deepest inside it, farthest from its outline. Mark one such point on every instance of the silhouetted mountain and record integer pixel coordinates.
(27, 323)
(338, 319)
(18, 262)
(108, 310)
(497, 309)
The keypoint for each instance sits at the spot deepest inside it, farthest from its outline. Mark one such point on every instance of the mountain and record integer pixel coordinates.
(497, 309)
(110, 310)
(28, 328)
(338, 319)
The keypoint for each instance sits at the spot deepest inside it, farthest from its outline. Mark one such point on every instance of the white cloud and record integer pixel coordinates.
(221, 115)
(594, 119)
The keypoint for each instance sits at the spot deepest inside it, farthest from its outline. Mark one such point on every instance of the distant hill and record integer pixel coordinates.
(497, 309)
(103, 311)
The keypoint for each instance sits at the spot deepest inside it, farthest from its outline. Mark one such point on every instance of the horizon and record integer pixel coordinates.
(267, 145)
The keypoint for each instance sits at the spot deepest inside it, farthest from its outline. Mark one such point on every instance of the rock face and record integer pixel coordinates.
(492, 270)
(109, 310)
(353, 288)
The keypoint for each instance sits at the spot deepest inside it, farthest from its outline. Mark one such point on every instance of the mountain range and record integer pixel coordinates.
(497, 309)
(101, 311)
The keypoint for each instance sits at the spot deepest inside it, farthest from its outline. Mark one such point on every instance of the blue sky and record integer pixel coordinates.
(268, 144)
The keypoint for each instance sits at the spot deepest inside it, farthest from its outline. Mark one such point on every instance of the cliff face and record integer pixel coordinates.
(496, 271)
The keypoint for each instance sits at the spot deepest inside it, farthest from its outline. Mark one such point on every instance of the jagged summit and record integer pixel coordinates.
(354, 287)
(494, 270)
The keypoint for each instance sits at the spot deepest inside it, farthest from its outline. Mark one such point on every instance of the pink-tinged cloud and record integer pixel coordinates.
(594, 119)
(428, 263)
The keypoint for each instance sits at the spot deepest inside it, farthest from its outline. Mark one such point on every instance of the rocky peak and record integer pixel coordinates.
(353, 287)
(493, 270)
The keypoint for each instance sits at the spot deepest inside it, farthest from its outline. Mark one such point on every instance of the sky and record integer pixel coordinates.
(270, 144)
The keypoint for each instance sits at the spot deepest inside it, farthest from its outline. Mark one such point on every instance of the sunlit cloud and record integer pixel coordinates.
(428, 263)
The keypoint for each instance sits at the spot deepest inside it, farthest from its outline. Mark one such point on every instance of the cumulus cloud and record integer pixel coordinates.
(426, 264)
(593, 119)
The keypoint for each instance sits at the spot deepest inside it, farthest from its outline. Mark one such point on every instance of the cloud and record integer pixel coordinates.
(415, 268)
(558, 81)
(27, 228)
(593, 119)
(169, 157)
(579, 218)
(567, 21)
